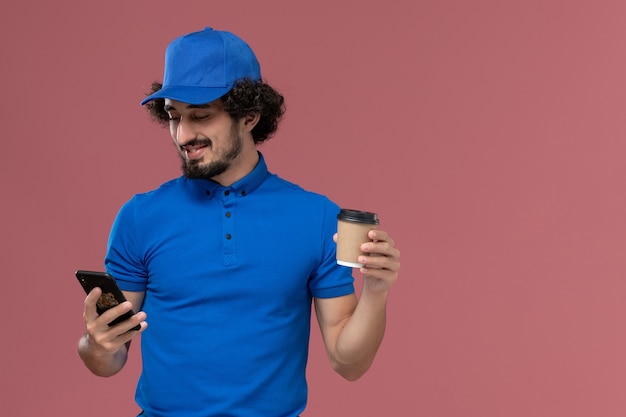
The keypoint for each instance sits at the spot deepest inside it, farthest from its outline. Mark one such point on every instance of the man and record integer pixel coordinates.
(226, 260)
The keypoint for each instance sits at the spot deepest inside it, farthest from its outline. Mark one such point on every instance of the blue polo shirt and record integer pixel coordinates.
(229, 274)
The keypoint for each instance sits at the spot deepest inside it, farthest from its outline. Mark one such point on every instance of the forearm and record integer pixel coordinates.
(360, 338)
(99, 361)
(353, 330)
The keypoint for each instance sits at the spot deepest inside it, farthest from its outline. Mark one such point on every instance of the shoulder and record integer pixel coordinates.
(173, 185)
(293, 190)
(160, 199)
(290, 200)
(171, 188)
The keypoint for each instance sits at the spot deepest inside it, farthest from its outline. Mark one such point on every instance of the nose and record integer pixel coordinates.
(183, 132)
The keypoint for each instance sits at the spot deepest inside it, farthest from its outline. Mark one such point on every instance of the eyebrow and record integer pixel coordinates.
(169, 107)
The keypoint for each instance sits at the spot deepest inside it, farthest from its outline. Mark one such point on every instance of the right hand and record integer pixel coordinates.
(105, 338)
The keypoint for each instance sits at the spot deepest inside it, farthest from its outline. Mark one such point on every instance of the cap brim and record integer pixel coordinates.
(190, 95)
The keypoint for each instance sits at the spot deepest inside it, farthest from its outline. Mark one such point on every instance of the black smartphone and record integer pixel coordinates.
(111, 293)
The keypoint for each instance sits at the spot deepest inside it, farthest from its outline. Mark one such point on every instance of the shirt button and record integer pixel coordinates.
(228, 214)
(243, 193)
(228, 236)
(226, 192)
(208, 193)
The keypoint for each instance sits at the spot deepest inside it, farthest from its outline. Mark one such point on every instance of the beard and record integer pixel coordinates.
(196, 169)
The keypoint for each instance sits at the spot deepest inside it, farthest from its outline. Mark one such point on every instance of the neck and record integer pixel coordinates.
(242, 166)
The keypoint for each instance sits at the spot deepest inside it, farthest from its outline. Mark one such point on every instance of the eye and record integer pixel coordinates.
(201, 116)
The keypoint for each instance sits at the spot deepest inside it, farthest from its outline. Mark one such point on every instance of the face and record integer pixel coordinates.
(207, 138)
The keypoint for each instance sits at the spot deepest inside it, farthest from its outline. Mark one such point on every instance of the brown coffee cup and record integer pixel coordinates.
(352, 229)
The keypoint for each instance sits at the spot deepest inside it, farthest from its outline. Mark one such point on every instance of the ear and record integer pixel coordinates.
(250, 120)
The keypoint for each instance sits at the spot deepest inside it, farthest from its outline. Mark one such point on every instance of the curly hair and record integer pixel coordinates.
(246, 97)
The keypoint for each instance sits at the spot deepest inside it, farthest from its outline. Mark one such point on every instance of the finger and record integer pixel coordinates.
(114, 312)
(126, 335)
(380, 235)
(380, 248)
(384, 277)
(376, 261)
(91, 300)
(127, 325)
(111, 337)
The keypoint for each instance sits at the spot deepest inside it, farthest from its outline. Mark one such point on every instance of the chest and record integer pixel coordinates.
(215, 252)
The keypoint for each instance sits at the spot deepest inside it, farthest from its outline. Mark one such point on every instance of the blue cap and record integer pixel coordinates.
(203, 66)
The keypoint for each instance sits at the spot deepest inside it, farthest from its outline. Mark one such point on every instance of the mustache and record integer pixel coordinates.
(195, 143)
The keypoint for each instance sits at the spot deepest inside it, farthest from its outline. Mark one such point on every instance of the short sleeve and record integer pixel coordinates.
(330, 279)
(124, 259)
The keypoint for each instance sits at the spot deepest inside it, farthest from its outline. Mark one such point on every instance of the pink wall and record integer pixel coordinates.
(489, 135)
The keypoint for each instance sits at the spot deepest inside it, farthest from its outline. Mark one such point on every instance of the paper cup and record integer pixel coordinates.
(352, 229)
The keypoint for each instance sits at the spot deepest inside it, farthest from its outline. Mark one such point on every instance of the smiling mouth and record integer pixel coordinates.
(193, 147)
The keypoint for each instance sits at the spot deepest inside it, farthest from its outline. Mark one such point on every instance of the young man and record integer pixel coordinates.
(226, 260)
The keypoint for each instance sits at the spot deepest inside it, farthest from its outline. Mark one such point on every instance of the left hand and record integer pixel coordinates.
(382, 262)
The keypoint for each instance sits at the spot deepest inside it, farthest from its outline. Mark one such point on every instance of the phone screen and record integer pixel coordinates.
(111, 293)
